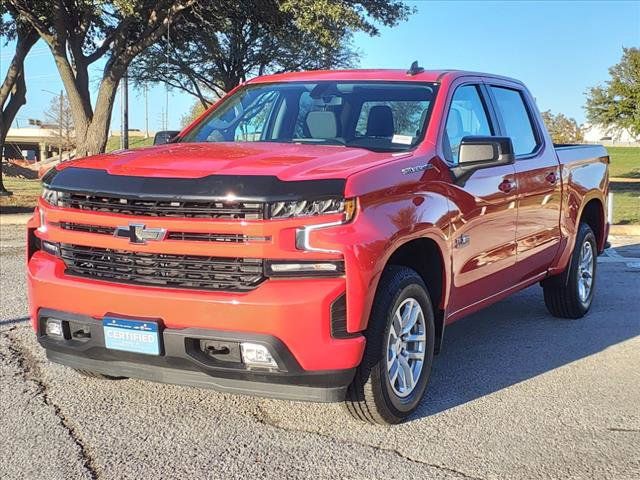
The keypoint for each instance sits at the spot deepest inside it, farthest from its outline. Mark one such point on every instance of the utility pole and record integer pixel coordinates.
(124, 137)
(146, 111)
(60, 124)
(166, 86)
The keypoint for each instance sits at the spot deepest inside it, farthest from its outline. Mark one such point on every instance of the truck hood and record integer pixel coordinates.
(196, 160)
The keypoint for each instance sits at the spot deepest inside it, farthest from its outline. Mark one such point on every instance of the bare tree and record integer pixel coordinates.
(60, 115)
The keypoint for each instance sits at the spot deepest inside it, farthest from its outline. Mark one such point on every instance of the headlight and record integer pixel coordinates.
(53, 197)
(307, 208)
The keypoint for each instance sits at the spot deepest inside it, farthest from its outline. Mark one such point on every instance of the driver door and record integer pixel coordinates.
(484, 226)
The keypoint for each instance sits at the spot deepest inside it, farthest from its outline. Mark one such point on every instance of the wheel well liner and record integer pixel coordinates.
(593, 215)
(424, 256)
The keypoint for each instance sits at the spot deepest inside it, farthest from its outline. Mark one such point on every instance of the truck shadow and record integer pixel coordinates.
(516, 339)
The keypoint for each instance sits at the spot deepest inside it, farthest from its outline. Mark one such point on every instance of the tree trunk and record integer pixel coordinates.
(79, 99)
(13, 91)
(97, 133)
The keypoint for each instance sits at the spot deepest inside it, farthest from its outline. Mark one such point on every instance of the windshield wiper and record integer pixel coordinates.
(319, 141)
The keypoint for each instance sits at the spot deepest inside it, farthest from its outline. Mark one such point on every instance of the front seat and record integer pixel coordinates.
(380, 122)
(322, 124)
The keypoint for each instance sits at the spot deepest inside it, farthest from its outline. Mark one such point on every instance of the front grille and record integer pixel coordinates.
(80, 227)
(215, 237)
(180, 236)
(159, 269)
(164, 208)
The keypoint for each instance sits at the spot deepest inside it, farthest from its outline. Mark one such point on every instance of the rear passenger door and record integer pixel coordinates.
(537, 175)
(484, 227)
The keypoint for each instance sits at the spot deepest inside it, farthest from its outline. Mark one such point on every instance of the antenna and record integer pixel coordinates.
(415, 69)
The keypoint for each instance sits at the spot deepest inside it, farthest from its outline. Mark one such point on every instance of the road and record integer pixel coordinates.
(516, 394)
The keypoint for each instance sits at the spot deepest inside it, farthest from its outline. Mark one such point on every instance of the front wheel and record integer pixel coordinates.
(395, 369)
(570, 294)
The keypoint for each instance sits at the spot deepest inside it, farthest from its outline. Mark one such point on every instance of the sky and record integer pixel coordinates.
(558, 49)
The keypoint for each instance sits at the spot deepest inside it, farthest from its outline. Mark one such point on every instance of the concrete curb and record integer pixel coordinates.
(631, 230)
(14, 218)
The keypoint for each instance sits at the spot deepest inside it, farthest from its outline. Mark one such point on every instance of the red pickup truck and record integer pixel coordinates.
(311, 235)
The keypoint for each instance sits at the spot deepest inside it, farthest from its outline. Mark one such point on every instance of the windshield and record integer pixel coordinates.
(378, 116)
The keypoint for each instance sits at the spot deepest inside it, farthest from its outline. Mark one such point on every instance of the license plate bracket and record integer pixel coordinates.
(128, 335)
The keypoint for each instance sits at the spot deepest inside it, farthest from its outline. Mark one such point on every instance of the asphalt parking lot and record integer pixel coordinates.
(516, 394)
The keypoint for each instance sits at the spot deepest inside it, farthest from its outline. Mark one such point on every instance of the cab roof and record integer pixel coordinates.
(393, 75)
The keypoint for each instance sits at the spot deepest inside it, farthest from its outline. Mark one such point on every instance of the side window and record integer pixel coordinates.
(515, 117)
(467, 116)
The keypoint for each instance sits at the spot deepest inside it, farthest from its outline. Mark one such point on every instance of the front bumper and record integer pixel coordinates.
(295, 311)
(183, 361)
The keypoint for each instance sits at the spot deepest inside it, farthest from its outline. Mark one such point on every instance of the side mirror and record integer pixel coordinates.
(165, 136)
(478, 152)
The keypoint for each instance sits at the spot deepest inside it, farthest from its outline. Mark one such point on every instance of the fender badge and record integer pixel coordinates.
(416, 169)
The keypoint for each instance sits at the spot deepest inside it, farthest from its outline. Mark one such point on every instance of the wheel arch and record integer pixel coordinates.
(593, 214)
(425, 256)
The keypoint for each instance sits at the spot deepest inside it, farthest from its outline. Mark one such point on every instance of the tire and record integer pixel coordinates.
(90, 374)
(563, 294)
(372, 397)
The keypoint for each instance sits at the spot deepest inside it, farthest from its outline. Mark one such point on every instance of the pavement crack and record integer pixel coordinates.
(261, 416)
(30, 372)
(622, 429)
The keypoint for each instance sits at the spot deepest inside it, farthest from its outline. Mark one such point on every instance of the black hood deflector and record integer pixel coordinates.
(259, 188)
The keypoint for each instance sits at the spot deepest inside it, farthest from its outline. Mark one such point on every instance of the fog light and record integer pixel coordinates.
(254, 354)
(54, 327)
(305, 268)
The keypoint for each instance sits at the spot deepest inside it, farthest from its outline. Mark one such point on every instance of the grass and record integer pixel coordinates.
(626, 208)
(25, 195)
(626, 202)
(625, 163)
(134, 142)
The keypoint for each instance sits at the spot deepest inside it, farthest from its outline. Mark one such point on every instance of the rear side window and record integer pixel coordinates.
(467, 116)
(516, 120)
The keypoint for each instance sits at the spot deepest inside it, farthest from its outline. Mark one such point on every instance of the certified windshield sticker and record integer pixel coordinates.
(402, 139)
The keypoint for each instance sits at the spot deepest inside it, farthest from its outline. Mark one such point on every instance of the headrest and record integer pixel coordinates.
(380, 121)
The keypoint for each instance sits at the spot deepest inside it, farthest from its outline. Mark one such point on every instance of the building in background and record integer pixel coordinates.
(31, 144)
(604, 136)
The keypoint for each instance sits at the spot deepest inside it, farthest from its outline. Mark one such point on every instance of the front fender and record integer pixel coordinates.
(385, 222)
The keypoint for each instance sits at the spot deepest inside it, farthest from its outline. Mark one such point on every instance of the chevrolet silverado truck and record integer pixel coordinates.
(312, 234)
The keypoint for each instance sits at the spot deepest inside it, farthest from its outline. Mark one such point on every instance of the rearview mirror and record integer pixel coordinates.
(165, 136)
(478, 152)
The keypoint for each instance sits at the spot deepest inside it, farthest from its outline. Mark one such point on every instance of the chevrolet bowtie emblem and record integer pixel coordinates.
(137, 233)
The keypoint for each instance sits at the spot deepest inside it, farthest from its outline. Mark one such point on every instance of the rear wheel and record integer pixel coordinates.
(570, 294)
(395, 369)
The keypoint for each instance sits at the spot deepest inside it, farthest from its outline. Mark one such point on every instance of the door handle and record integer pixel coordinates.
(551, 177)
(506, 186)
